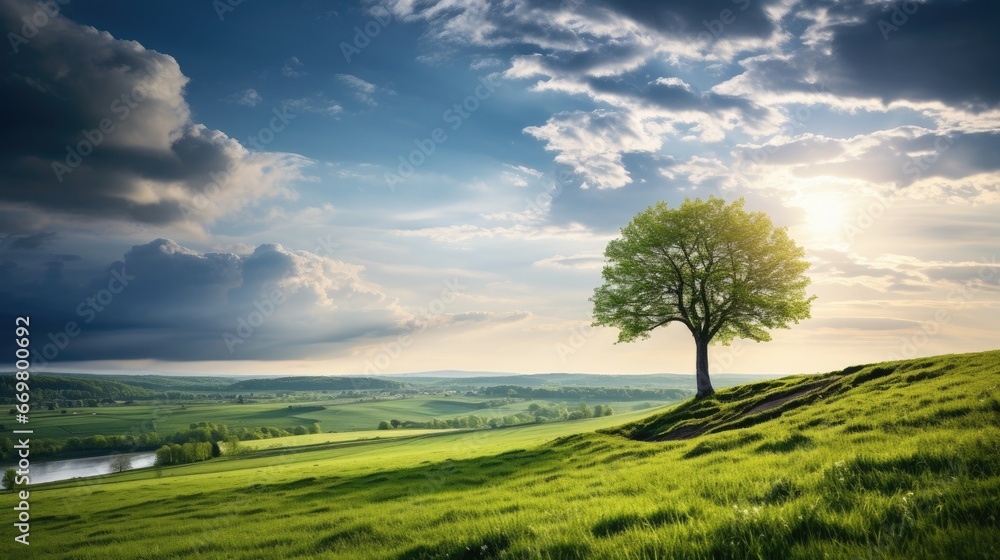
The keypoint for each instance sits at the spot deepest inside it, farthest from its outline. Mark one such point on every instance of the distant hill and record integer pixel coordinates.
(314, 383)
(47, 387)
(652, 380)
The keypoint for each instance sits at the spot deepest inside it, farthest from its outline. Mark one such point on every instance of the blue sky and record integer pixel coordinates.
(248, 209)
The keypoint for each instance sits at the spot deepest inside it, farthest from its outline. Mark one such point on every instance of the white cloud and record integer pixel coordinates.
(152, 165)
(247, 98)
(363, 91)
(318, 104)
(292, 68)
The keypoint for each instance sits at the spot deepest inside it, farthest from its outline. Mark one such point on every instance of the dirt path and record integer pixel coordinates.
(694, 430)
(773, 403)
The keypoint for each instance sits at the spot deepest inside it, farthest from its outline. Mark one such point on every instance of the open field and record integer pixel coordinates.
(338, 437)
(333, 415)
(893, 460)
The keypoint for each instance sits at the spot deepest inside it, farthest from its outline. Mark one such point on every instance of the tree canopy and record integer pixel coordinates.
(717, 269)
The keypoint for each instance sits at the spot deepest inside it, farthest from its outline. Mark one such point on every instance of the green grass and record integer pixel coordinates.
(332, 415)
(894, 460)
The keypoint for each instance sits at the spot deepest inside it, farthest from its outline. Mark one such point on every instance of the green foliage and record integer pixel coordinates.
(719, 270)
(10, 479)
(177, 454)
(384, 425)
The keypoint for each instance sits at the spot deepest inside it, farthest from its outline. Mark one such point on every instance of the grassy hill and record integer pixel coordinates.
(891, 460)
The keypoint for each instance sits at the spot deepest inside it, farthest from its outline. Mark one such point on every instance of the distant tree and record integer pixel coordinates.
(717, 269)
(300, 430)
(121, 463)
(395, 423)
(598, 410)
(383, 425)
(314, 427)
(63, 411)
(9, 476)
(95, 442)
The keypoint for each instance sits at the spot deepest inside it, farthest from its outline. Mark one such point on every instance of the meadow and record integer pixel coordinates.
(337, 415)
(891, 460)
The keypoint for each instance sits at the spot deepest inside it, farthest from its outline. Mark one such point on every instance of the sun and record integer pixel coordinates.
(826, 216)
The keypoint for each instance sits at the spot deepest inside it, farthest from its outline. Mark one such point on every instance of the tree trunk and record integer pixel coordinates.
(701, 369)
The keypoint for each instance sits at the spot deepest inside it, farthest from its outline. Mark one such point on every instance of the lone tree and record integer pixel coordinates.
(121, 463)
(717, 269)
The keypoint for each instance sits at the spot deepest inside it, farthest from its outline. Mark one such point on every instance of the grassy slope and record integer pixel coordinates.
(896, 460)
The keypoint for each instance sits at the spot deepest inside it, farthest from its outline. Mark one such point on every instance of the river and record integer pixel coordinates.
(51, 471)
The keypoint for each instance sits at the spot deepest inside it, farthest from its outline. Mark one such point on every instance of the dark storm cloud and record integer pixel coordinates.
(940, 50)
(164, 301)
(27, 242)
(98, 127)
(745, 18)
(543, 22)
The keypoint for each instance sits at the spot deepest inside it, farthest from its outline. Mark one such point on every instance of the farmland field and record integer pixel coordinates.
(333, 415)
(892, 460)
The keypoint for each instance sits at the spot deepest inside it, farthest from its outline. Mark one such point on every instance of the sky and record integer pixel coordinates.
(310, 187)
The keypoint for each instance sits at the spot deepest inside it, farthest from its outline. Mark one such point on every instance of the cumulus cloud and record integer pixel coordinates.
(169, 302)
(98, 128)
(600, 50)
